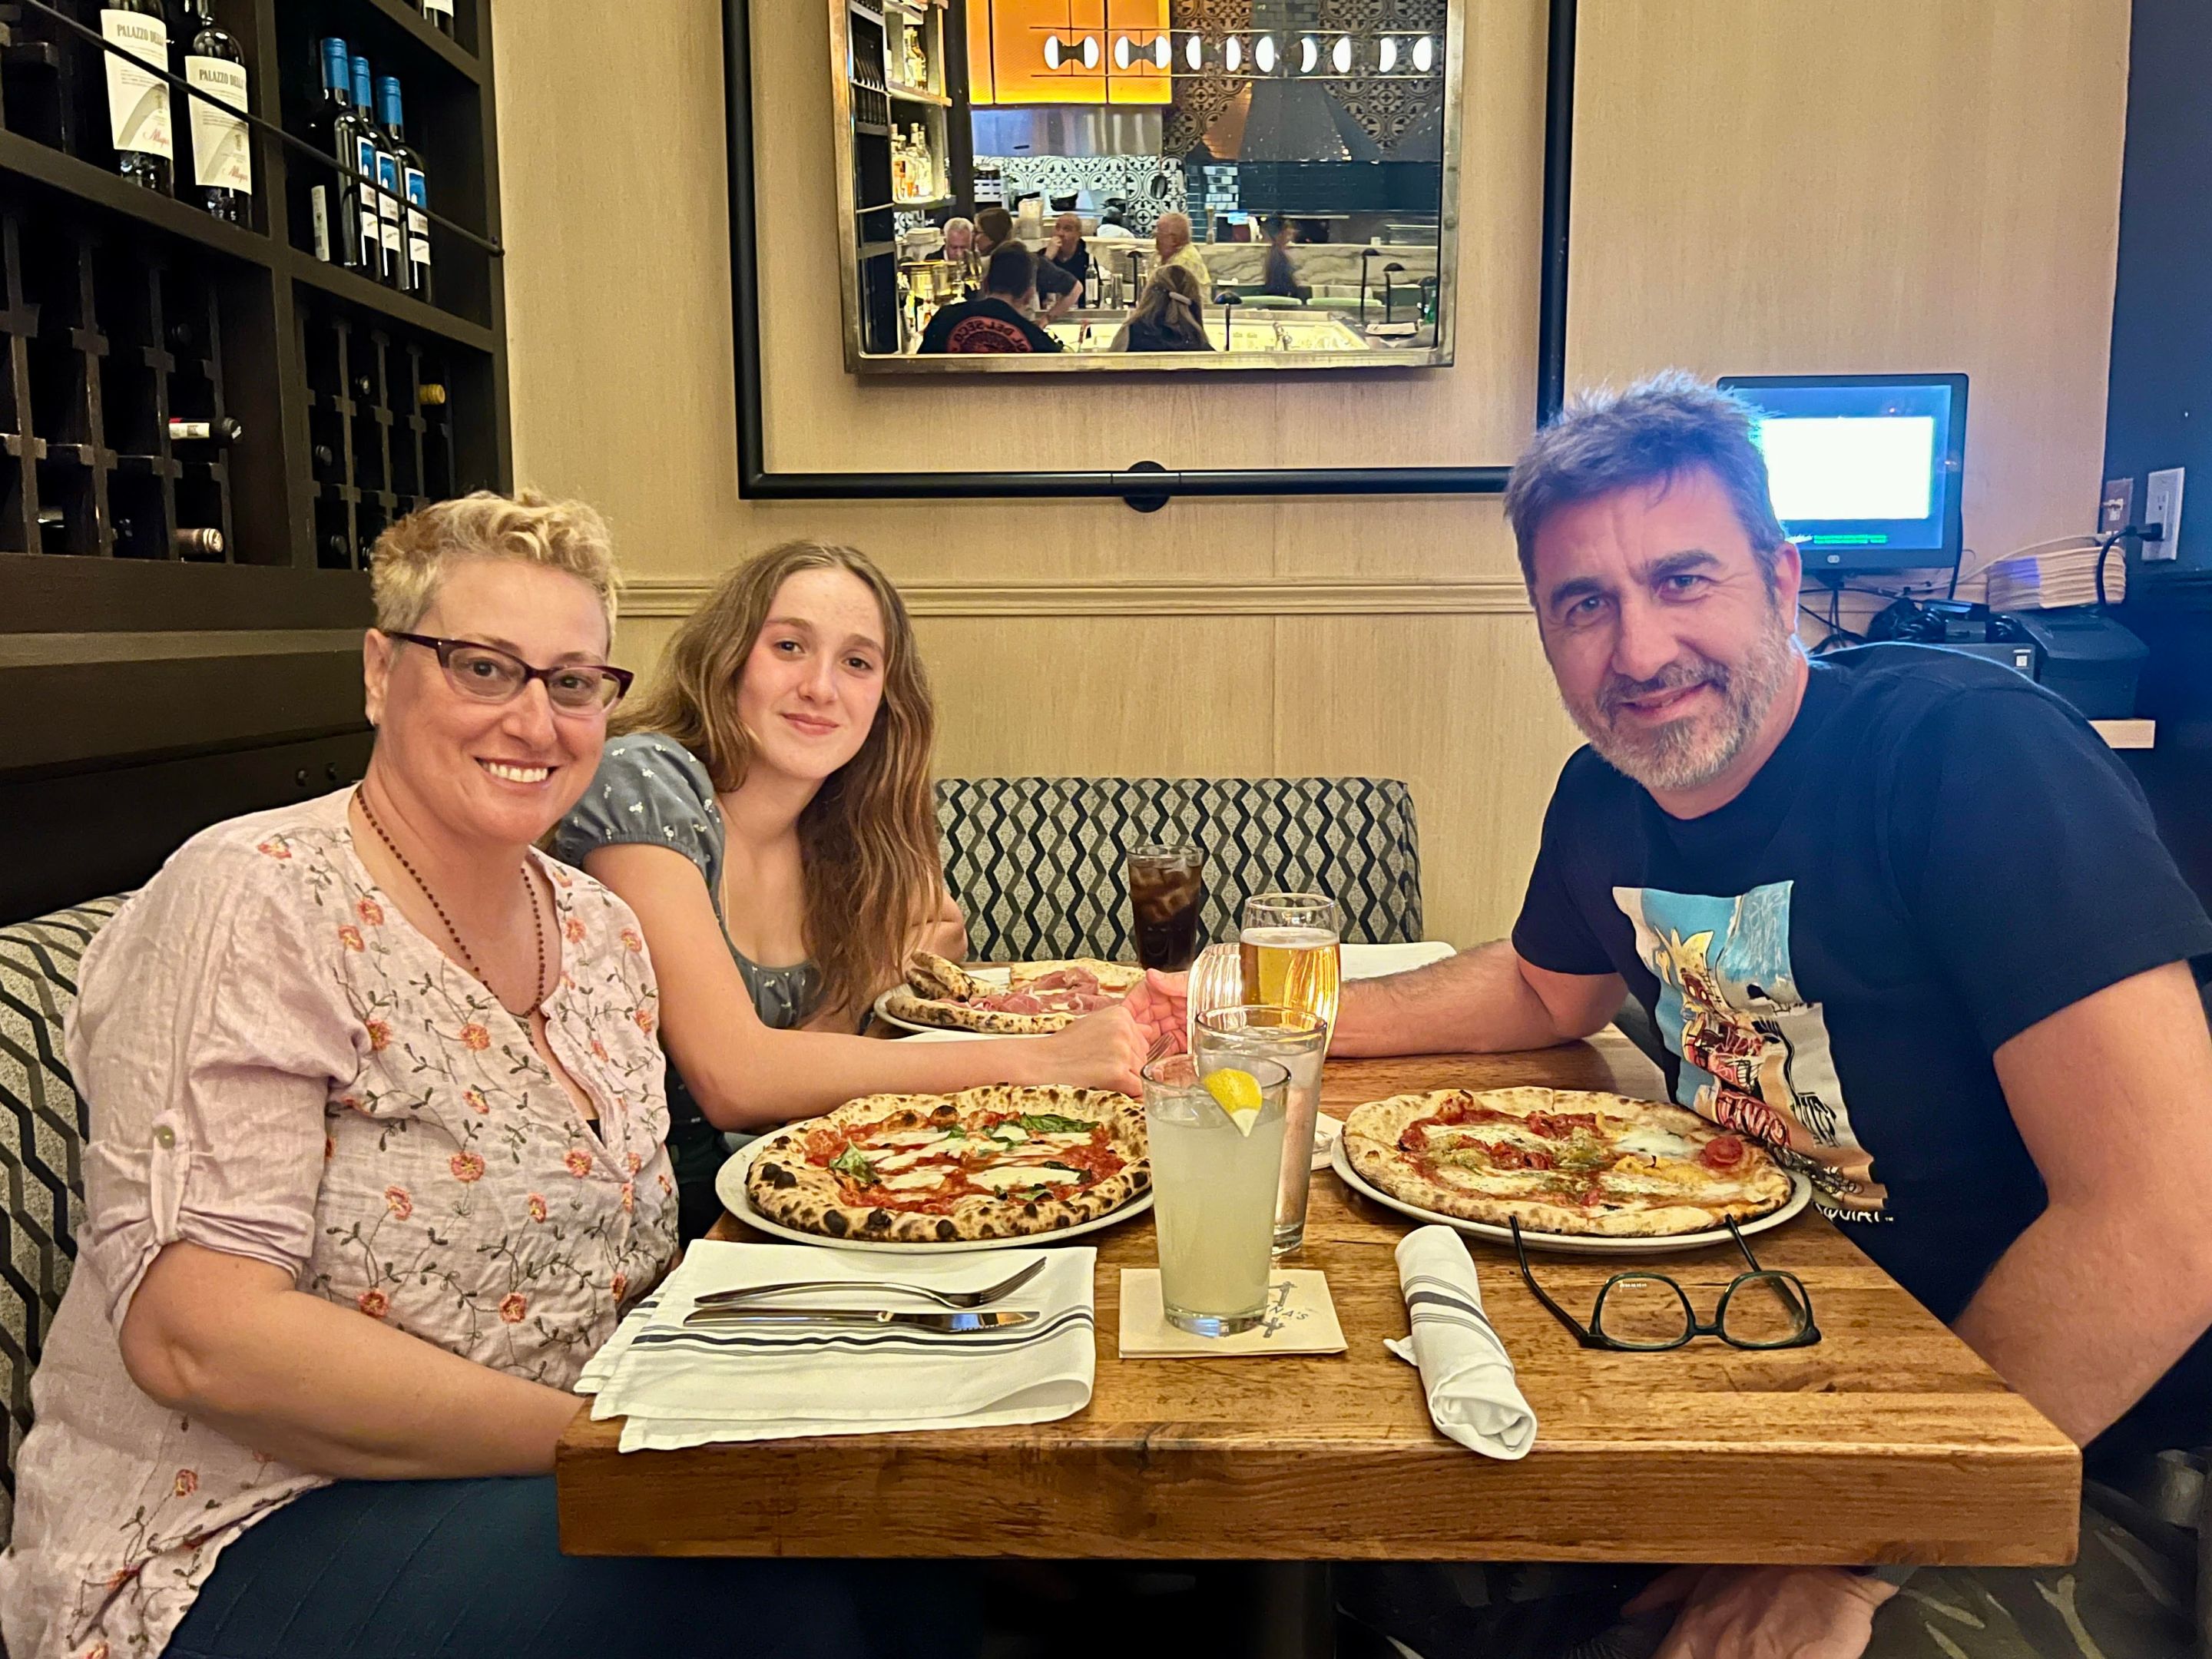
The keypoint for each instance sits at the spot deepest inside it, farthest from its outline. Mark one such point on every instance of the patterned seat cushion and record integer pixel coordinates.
(42, 1129)
(1037, 863)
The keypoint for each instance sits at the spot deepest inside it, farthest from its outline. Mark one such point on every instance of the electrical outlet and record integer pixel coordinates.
(2162, 507)
(2118, 502)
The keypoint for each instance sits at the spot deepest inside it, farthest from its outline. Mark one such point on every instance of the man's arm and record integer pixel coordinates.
(2113, 1282)
(1486, 1000)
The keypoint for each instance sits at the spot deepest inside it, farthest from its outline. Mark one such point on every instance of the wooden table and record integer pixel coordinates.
(1888, 1441)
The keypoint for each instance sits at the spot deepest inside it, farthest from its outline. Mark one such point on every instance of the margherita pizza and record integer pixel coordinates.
(1038, 996)
(1000, 1162)
(1562, 1162)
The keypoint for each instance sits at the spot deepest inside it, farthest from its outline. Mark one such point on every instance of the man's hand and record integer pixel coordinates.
(1160, 1005)
(1765, 1612)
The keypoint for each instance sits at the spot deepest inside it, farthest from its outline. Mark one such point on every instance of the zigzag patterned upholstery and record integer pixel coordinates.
(42, 1129)
(1037, 863)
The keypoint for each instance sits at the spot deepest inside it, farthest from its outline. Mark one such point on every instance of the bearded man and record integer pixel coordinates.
(1900, 914)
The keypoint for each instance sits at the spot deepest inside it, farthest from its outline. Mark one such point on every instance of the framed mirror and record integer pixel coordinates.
(1045, 186)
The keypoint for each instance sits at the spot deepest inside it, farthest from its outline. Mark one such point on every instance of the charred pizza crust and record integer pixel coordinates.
(938, 993)
(1653, 1185)
(788, 1186)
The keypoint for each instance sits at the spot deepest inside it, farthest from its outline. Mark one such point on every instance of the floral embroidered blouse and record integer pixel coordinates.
(279, 1065)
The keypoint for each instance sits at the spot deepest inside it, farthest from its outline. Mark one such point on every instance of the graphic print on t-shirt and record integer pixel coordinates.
(985, 333)
(1755, 1054)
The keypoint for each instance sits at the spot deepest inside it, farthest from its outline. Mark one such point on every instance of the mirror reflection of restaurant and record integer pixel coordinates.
(1304, 148)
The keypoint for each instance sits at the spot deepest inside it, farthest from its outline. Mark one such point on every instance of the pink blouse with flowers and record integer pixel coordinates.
(279, 1065)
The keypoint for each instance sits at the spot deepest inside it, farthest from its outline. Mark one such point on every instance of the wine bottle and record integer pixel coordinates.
(139, 117)
(336, 555)
(53, 531)
(430, 395)
(326, 457)
(199, 543)
(440, 13)
(364, 388)
(357, 165)
(414, 184)
(383, 168)
(223, 158)
(224, 431)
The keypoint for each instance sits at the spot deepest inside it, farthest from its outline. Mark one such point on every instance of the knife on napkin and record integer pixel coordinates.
(979, 1320)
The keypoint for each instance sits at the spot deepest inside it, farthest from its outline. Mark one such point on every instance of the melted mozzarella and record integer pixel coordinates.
(913, 1137)
(915, 1180)
(1656, 1143)
(1020, 1174)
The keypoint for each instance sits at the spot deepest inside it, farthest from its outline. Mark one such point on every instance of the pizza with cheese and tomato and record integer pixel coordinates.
(1561, 1161)
(1000, 1162)
(1026, 997)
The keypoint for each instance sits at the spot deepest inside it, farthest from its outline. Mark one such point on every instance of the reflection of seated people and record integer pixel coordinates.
(1067, 249)
(1172, 239)
(1057, 291)
(1281, 275)
(1111, 228)
(1170, 317)
(997, 321)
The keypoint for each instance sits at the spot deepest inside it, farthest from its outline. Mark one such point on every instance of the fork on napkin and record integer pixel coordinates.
(1465, 1370)
(676, 1386)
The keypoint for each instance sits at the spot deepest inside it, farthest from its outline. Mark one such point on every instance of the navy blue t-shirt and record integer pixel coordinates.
(1939, 855)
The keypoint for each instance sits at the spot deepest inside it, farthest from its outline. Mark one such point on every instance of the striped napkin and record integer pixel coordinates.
(1465, 1370)
(676, 1387)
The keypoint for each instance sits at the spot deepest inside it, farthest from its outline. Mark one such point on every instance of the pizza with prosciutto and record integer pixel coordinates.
(1562, 1162)
(999, 1162)
(1034, 996)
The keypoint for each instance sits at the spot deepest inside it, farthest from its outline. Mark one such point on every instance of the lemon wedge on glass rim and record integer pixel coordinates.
(1236, 1093)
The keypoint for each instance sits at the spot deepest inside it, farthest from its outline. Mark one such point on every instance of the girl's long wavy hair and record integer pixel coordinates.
(868, 839)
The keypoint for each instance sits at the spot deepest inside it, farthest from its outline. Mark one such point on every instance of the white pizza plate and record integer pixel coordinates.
(1801, 1195)
(1360, 962)
(730, 1187)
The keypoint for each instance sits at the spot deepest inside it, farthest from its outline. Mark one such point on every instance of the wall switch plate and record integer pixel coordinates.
(2118, 502)
(2162, 507)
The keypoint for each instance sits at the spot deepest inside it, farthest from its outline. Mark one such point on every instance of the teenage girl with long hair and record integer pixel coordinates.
(766, 809)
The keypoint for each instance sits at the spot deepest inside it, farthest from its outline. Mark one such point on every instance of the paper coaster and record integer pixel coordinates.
(1301, 1319)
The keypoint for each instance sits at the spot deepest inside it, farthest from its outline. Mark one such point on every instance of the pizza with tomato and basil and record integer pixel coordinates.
(1000, 1162)
(1561, 1161)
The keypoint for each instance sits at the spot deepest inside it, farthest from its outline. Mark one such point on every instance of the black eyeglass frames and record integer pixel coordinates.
(1651, 1313)
(490, 675)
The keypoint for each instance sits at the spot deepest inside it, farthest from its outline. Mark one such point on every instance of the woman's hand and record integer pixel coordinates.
(1104, 1050)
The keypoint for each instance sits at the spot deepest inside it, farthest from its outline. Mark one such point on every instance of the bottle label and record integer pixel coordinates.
(418, 224)
(372, 222)
(387, 205)
(221, 157)
(137, 104)
(439, 8)
(318, 206)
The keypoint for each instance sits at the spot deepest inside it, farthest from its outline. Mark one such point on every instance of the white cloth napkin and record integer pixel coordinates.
(676, 1387)
(1465, 1370)
(1373, 961)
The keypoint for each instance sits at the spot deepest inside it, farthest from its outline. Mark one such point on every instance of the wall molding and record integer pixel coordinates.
(1490, 596)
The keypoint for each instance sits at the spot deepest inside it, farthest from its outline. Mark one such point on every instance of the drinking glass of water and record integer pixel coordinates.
(1217, 1152)
(1296, 1040)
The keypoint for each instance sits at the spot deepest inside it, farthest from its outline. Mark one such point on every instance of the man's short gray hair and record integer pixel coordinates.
(1654, 433)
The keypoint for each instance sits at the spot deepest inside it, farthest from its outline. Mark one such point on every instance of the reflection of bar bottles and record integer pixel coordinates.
(913, 170)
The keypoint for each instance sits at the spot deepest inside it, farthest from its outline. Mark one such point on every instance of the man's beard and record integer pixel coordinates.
(1689, 753)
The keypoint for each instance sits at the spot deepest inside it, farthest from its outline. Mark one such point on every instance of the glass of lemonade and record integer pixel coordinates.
(1291, 947)
(1214, 1178)
(1296, 1040)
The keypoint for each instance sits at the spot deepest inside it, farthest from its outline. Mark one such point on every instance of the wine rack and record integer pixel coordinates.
(203, 427)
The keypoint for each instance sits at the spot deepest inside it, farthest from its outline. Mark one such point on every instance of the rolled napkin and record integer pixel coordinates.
(1465, 1370)
(678, 1386)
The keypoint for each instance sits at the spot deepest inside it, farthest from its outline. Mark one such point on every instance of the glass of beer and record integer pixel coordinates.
(1296, 1042)
(1167, 885)
(1290, 945)
(1216, 1149)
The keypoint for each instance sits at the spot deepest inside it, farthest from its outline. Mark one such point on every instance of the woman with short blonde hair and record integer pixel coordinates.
(768, 812)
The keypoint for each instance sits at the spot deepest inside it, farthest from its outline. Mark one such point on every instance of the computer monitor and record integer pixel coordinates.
(1865, 469)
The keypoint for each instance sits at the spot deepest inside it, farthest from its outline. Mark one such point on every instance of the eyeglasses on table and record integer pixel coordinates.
(1650, 1313)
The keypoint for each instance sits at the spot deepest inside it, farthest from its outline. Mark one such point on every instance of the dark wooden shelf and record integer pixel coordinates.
(356, 289)
(39, 164)
(429, 35)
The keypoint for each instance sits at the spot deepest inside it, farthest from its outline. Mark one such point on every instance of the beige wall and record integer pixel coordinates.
(1819, 184)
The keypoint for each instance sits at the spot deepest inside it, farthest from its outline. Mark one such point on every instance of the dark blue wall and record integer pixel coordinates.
(2160, 413)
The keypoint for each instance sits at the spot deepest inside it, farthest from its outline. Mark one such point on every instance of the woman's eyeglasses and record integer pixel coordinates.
(1650, 1313)
(488, 674)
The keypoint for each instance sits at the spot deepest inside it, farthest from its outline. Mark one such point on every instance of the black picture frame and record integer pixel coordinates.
(1144, 485)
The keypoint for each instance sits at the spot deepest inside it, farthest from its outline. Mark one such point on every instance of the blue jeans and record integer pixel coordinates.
(424, 1569)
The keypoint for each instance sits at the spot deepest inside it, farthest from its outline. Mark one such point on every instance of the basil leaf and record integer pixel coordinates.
(1051, 1124)
(850, 1163)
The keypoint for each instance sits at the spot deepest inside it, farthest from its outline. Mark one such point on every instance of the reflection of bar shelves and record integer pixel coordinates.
(904, 94)
(921, 204)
